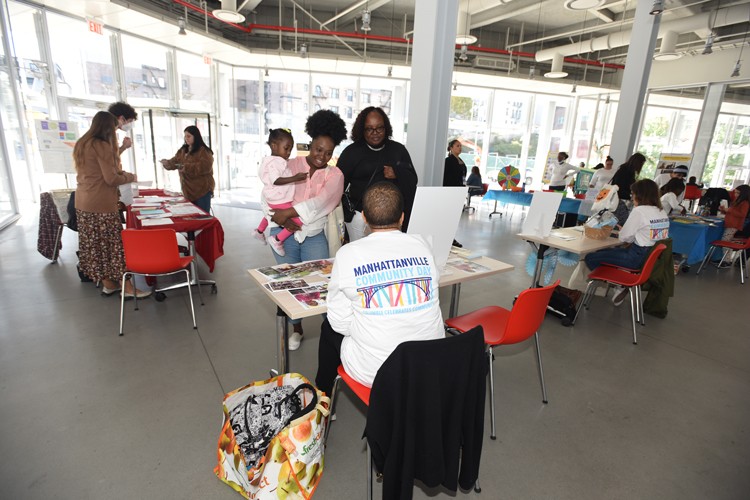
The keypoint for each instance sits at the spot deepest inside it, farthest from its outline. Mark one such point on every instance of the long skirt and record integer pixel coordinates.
(100, 245)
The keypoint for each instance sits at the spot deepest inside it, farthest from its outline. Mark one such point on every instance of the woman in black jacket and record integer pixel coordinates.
(624, 178)
(455, 168)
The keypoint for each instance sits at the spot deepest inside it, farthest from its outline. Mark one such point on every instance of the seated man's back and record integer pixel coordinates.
(383, 291)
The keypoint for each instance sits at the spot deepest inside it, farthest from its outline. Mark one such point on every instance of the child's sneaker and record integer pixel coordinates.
(276, 245)
(259, 236)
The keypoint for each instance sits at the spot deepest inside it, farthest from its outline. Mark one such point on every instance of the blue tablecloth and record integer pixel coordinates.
(693, 239)
(568, 205)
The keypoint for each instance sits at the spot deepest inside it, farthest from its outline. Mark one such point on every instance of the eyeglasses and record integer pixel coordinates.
(375, 130)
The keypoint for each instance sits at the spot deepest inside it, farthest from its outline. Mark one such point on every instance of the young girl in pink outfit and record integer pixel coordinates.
(278, 189)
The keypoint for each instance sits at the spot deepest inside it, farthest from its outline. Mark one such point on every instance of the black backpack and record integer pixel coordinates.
(563, 304)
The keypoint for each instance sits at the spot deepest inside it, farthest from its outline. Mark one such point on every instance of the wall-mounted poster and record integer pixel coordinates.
(56, 141)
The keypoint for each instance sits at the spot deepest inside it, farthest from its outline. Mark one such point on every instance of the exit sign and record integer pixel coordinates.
(207, 59)
(95, 27)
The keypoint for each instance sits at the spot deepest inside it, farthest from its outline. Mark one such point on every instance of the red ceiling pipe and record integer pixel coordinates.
(345, 34)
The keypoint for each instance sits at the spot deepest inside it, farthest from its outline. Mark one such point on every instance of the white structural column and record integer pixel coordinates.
(706, 126)
(429, 101)
(634, 82)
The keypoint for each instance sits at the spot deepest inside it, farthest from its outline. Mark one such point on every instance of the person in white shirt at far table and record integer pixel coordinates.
(646, 225)
(560, 172)
(670, 194)
(602, 176)
(383, 291)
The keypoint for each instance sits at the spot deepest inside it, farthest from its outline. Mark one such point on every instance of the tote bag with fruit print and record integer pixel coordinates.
(271, 442)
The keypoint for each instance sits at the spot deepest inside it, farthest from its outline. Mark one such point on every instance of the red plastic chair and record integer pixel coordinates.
(504, 327)
(632, 279)
(692, 193)
(153, 253)
(363, 393)
(738, 245)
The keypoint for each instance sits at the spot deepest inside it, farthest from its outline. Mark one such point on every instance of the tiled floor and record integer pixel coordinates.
(85, 414)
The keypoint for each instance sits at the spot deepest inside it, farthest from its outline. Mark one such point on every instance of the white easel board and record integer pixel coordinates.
(56, 141)
(541, 215)
(435, 216)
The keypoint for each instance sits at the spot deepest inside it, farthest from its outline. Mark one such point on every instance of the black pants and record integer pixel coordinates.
(329, 357)
(557, 188)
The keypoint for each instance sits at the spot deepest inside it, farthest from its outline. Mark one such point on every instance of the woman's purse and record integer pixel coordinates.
(334, 230)
(346, 202)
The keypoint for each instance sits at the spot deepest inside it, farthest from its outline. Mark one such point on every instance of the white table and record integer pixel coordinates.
(287, 306)
(579, 244)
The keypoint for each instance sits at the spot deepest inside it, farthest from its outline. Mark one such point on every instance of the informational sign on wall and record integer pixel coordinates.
(668, 161)
(56, 141)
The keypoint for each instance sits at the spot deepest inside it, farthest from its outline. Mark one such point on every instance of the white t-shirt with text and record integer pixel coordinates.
(645, 226)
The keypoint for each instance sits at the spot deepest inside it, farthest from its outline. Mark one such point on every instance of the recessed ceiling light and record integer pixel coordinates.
(583, 4)
(229, 16)
(667, 56)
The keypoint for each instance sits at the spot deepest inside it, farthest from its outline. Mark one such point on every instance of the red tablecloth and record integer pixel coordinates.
(209, 244)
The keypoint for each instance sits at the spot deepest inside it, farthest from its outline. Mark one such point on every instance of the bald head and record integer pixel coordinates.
(383, 206)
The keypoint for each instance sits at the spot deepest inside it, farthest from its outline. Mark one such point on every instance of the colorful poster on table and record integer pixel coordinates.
(668, 161)
(56, 140)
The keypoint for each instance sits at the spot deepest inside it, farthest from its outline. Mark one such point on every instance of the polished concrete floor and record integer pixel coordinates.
(85, 414)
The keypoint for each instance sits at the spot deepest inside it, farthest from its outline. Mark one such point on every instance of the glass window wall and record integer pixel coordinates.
(194, 77)
(83, 60)
(146, 77)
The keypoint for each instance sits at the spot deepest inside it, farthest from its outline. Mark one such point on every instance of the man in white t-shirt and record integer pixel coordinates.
(603, 175)
(383, 291)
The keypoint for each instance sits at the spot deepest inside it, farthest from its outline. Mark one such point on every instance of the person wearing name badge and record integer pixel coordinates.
(383, 291)
(195, 163)
(560, 172)
(646, 225)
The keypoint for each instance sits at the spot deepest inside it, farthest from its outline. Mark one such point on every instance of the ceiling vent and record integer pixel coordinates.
(496, 63)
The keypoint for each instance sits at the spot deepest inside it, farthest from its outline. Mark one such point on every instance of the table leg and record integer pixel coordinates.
(282, 346)
(455, 295)
(494, 211)
(539, 262)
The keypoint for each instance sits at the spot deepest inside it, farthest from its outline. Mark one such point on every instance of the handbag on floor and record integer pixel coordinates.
(271, 442)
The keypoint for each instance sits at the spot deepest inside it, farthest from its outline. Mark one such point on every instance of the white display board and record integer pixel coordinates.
(542, 213)
(668, 161)
(56, 141)
(435, 216)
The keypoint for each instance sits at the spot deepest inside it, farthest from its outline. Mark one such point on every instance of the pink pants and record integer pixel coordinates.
(284, 234)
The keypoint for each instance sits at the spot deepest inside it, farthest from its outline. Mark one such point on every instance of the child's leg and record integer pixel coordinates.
(263, 225)
(284, 234)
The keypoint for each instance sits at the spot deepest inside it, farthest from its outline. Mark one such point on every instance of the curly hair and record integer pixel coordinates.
(123, 109)
(358, 129)
(326, 122)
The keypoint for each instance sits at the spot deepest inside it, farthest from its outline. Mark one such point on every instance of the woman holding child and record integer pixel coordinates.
(314, 198)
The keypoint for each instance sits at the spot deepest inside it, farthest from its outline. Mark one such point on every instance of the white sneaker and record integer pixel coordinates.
(619, 297)
(276, 245)
(295, 339)
(259, 236)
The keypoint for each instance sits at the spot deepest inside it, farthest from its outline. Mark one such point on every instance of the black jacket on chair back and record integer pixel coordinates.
(426, 414)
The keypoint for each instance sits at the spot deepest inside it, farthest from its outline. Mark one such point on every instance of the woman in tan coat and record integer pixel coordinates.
(99, 173)
(194, 160)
